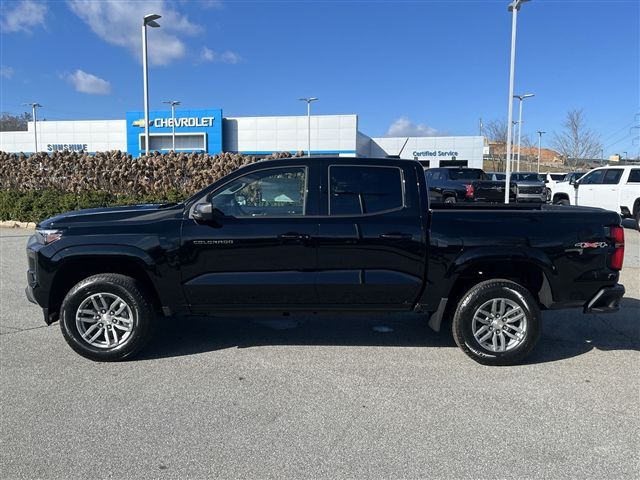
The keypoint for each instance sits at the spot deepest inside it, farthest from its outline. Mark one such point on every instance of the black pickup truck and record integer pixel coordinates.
(324, 234)
(461, 184)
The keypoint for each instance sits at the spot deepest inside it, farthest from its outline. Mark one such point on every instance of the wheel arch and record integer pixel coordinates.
(75, 267)
(531, 271)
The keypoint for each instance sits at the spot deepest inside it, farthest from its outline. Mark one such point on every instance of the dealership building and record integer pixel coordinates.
(206, 130)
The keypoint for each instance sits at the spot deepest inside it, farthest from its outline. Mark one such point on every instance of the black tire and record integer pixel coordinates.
(637, 217)
(450, 200)
(138, 312)
(511, 293)
(562, 201)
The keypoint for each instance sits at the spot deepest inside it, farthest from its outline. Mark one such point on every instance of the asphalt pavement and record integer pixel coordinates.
(328, 396)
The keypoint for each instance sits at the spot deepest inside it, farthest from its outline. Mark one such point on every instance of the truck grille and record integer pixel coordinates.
(530, 190)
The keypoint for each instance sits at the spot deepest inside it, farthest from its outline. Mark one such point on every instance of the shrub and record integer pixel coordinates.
(39, 186)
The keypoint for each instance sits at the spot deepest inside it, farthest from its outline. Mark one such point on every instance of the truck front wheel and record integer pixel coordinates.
(497, 322)
(106, 317)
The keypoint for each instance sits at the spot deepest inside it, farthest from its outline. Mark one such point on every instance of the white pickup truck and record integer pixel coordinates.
(614, 188)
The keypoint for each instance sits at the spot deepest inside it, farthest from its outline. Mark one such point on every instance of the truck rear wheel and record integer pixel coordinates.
(450, 199)
(497, 322)
(106, 317)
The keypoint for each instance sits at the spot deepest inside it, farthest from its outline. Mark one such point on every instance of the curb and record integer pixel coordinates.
(15, 224)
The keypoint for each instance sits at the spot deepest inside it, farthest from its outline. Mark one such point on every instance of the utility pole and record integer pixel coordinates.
(540, 133)
(34, 107)
(308, 100)
(173, 104)
(513, 8)
(151, 21)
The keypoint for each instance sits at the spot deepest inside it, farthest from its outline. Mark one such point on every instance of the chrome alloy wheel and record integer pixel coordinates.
(104, 320)
(499, 325)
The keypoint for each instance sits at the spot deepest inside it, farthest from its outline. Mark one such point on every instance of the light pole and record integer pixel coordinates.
(513, 141)
(514, 7)
(173, 104)
(150, 20)
(521, 98)
(540, 133)
(34, 106)
(308, 100)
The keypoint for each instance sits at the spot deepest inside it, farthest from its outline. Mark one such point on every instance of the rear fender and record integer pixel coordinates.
(482, 263)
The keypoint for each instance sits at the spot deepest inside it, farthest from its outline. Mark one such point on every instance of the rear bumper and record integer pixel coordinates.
(607, 300)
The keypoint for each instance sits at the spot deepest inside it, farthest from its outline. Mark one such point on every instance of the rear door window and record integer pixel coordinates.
(612, 176)
(468, 174)
(362, 190)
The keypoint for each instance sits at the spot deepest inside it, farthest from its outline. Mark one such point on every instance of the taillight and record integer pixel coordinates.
(470, 190)
(617, 234)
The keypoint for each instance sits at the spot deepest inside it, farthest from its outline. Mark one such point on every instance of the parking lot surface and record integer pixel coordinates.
(325, 396)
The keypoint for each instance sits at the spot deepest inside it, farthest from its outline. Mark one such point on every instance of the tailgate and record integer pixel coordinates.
(488, 191)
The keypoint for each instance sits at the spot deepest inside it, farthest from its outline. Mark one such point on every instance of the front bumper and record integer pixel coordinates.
(607, 300)
(538, 197)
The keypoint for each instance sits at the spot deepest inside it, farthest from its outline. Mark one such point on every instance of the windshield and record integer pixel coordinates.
(467, 174)
(527, 177)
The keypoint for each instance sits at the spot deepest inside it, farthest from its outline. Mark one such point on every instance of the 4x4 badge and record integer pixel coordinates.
(591, 244)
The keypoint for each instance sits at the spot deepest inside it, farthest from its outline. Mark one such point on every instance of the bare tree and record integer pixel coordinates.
(13, 123)
(576, 142)
(496, 131)
(529, 150)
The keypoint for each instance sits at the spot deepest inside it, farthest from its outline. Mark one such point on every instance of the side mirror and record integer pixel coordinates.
(575, 183)
(203, 212)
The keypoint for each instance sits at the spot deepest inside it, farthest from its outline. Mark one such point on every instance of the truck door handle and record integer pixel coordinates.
(396, 236)
(294, 236)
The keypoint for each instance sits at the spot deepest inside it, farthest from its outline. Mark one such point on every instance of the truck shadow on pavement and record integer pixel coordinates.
(566, 333)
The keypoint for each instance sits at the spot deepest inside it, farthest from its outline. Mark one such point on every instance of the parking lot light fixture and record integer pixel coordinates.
(148, 20)
(34, 106)
(174, 104)
(514, 7)
(540, 133)
(521, 98)
(308, 100)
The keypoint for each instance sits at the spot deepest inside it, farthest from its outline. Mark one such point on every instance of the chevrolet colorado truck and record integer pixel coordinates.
(324, 234)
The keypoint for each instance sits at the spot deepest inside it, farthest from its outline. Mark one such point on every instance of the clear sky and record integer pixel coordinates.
(430, 67)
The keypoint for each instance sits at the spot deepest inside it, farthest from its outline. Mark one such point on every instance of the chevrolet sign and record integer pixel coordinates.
(179, 122)
(183, 122)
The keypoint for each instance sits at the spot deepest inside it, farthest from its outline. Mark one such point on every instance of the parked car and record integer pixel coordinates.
(615, 188)
(324, 234)
(461, 184)
(530, 187)
(551, 179)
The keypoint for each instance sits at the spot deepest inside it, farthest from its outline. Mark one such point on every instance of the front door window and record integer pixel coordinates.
(277, 192)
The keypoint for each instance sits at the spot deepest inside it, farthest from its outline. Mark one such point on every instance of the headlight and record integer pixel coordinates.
(48, 236)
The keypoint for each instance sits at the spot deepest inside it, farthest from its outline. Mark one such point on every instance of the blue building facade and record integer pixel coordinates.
(195, 131)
